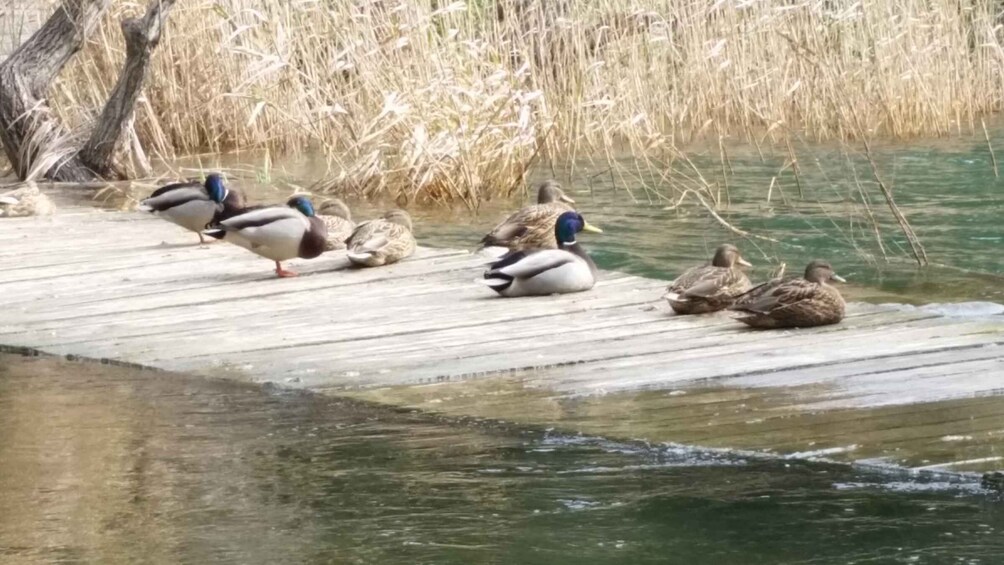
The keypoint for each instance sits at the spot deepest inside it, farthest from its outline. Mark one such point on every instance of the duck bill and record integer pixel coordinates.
(838, 278)
(591, 228)
(566, 198)
(744, 263)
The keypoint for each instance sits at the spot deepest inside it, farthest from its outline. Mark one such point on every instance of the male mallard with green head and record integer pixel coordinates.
(533, 226)
(194, 205)
(794, 302)
(382, 241)
(710, 288)
(278, 233)
(26, 200)
(338, 219)
(536, 272)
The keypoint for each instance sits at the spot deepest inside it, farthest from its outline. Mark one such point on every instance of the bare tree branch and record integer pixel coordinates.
(142, 36)
(27, 126)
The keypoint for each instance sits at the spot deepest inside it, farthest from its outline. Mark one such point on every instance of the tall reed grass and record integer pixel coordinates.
(447, 101)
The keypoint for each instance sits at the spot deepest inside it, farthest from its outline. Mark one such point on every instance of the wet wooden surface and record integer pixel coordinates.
(127, 287)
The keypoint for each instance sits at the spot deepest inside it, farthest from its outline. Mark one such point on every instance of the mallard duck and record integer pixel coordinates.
(278, 233)
(794, 302)
(26, 200)
(337, 218)
(533, 226)
(711, 287)
(534, 272)
(382, 241)
(192, 205)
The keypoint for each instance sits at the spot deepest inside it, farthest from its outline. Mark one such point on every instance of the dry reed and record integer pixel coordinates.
(455, 101)
(429, 99)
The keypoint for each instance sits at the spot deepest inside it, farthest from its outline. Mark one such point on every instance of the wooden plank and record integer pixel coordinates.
(131, 288)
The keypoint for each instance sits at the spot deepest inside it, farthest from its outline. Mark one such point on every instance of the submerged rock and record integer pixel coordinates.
(993, 481)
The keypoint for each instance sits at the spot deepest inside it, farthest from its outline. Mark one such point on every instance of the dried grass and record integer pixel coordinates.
(428, 99)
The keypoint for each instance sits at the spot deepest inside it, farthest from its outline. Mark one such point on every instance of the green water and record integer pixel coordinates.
(946, 189)
(104, 464)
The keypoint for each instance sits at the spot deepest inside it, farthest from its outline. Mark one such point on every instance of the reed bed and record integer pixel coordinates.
(455, 101)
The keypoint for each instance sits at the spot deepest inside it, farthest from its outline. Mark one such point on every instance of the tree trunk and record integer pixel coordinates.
(27, 126)
(142, 37)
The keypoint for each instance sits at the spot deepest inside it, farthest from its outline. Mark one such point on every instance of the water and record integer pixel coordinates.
(946, 188)
(107, 464)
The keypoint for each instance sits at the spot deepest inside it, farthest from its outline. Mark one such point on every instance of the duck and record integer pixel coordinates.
(533, 226)
(194, 205)
(710, 288)
(540, 272)
(26, 200)
(278, 233)
(794, 302)
(382, 241)
(338, 219)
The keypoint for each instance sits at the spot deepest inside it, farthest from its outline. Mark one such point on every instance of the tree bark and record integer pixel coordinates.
(26, 122)
(142, 37)
(25, 77)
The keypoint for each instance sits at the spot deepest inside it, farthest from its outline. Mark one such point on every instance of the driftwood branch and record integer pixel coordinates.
(27, 126)
(142, 36)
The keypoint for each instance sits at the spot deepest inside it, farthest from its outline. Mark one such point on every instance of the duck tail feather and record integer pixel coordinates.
(359, 256)
(215, 232)
(496, 281)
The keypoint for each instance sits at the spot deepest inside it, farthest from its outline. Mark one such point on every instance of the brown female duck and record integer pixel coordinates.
(794, 302)
(710, 288)
(382, 241)
(533, 226)
(338, 219)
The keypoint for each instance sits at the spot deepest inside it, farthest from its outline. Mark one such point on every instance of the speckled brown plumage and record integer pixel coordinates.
(799, 302)
(338, 219)
(382, 241)
(533, 226)
(709, 288)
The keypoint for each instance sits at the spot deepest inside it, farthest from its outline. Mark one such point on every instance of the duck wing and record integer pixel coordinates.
(718, 283)
(503, 233)
(531, 224)
(530, 263)
(777, 295)
(176, 185)
(379, 235)
(170, 196)
(361, 232)
(260, 217)
(688, 279)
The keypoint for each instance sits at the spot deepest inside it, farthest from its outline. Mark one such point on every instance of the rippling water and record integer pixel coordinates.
(107, 464)
(946, 188)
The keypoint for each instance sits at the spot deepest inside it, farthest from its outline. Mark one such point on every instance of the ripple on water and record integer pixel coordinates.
(104, 463)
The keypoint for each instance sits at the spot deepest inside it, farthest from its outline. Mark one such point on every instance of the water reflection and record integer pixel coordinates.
(106, 464)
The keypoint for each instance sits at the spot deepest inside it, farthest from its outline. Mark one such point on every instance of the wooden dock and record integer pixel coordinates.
(888, 385)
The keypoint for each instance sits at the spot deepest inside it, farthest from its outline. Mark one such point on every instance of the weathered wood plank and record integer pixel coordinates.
(131, 288)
